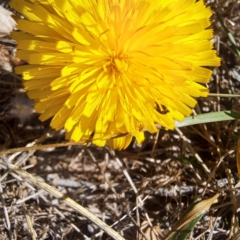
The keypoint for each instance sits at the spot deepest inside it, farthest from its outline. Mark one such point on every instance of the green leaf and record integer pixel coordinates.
(208, 118)
(186, 230)
(190, 217)
(230, 36)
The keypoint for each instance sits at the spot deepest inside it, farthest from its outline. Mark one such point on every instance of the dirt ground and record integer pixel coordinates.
(143, 191)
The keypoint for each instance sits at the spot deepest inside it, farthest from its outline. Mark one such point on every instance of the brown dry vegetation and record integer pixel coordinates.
(144, 190)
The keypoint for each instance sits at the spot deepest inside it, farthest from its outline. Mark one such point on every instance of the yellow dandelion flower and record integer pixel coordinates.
(100, 68)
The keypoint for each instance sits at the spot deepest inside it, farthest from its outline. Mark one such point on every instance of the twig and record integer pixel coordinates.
(215, 168)
(206, 169)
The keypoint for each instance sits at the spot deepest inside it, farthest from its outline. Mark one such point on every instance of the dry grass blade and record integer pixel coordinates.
(192, 213)
(150, 232)
(51, 190)
(238, 157)
(8, 225)
(30, 225)
(223, 95)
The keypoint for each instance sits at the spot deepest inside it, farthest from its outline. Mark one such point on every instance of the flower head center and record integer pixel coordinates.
(116, 63)
(120, 64)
